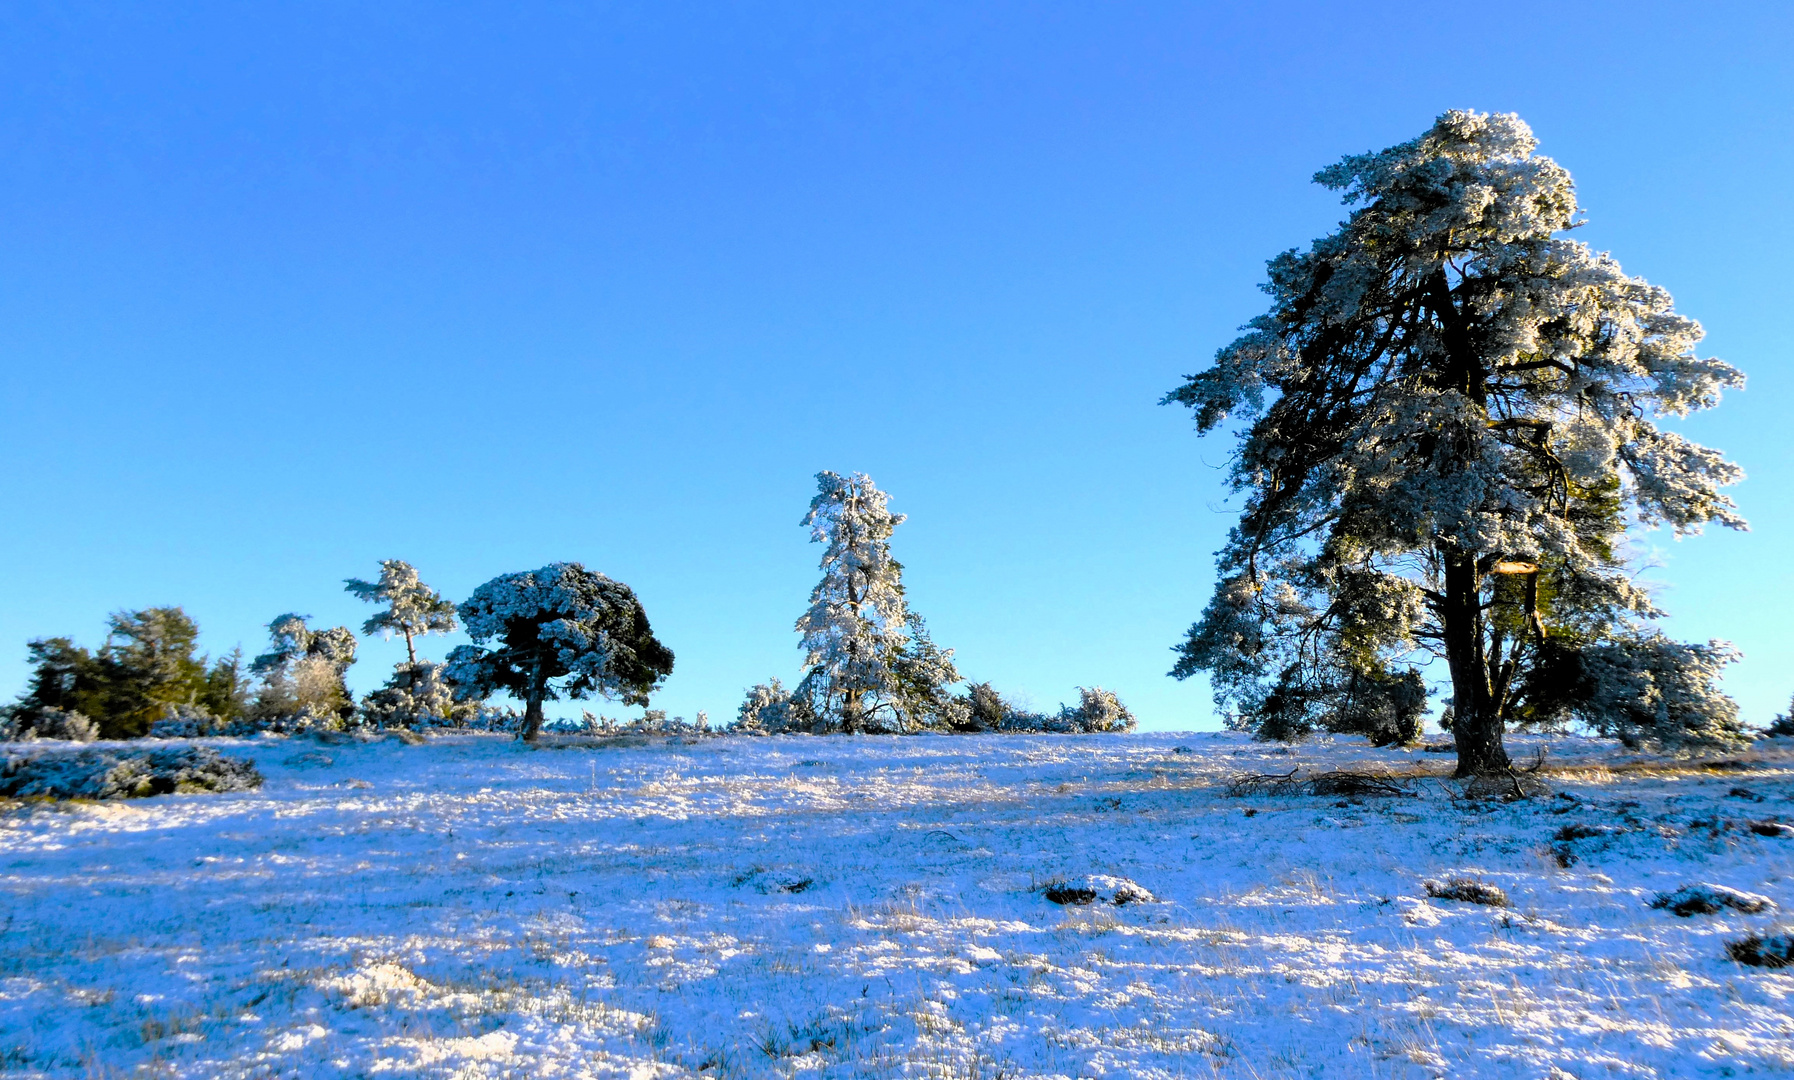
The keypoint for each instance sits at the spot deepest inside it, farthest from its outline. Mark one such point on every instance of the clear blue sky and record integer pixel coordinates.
(287, 289)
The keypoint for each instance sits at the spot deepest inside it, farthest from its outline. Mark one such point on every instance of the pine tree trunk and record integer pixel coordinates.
(410, 653)
(1476, 725)
(532, 706)
(850, 711)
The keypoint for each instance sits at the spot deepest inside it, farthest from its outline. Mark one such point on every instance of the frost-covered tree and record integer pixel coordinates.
(925, 675)
(412, 608)
(417, 693)
(1451, 430)
(560, 630)
(304, 671)
(869, 663)
(769, 710)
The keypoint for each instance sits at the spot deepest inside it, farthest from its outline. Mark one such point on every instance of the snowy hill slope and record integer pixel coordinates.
(875, 907)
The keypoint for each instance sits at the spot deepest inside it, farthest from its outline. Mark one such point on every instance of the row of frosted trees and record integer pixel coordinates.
(562, 631)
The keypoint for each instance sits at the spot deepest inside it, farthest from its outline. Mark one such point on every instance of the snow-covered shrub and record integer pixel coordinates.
(984, 708)
(765, 710)
(652, 722)
(416, 696)
(1704, 899)
(184, 722)
(769, 710)
(1101, 710)
(1096, 888)
(48, 723)
(484, 717)
(124, 774)
(1098, 710)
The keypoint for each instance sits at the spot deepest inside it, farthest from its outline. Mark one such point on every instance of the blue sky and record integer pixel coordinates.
(285, 290)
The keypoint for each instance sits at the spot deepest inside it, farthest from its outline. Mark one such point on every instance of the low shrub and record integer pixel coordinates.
(1706, 899)
(1762, 950)
(1468, 890)
(125, 774)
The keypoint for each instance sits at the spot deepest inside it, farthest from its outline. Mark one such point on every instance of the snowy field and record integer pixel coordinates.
(873, 907)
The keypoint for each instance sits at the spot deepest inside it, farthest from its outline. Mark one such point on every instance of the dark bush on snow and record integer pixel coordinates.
(1762, 950)
(1710, 900)
(1469, 890)
(1096, 888)
(1333, 784)
(125, 774)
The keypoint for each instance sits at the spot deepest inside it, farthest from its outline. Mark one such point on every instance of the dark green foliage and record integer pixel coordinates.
(1782, 726)
(147, 665)
(986, 708)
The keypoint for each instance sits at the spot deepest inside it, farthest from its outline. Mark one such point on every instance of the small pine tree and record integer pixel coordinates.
(417, 696)
(412, 608)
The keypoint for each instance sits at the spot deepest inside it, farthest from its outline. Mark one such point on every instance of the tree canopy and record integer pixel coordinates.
(560, 630)
(1449, 427)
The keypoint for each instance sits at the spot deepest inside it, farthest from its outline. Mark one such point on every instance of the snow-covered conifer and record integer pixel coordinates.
(562, 622)
(412, 608)
(870, 665)
(854, 629)
(1450, 431)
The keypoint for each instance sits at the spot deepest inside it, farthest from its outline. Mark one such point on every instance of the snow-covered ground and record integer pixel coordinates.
(835, 907)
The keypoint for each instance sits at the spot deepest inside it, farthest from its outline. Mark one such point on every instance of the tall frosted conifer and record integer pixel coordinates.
(856, 634)
(1451, 411)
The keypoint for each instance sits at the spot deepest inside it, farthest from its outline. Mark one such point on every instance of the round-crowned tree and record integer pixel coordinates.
(561, 631)
(1451, 428)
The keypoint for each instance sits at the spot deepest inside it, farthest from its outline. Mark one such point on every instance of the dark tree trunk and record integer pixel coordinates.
(1476, 716)
(850, 711)
(532, 705)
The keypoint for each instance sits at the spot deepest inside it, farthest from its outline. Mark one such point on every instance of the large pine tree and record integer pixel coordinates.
(870, 663)
(1451, 431)
(559, 631)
